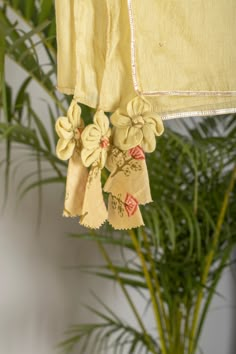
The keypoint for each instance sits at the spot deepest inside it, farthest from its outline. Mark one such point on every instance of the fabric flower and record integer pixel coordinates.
(69, 131)
(138, 127)
(96, 141)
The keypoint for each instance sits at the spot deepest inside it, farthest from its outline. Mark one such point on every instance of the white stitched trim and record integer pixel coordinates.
(190, 93)
(212, 112)
(133, 50)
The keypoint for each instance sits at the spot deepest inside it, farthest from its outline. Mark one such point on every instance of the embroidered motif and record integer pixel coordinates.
(93, 174)
(125, 161)
(130, 205)
(137, 153)
(117, 204)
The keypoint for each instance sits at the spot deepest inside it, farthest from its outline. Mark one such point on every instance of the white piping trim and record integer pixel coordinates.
(190, 93)
(133, 50)
(213, 112)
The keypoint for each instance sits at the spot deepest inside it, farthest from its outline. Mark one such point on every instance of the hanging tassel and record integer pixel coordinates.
(69, 130)
(94, 211)
(128, 185)
(96, 143)
(76, 181)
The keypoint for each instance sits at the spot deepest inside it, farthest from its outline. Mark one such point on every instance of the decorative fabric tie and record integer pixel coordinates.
(144, 62)
(121, 151)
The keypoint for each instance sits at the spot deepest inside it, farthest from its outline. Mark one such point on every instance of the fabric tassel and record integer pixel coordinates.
(128, 174)
(77, 176)
(94, 211)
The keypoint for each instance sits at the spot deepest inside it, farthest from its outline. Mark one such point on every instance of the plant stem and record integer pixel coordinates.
(157, 285)
(186, 325)
(151, 290)
(195, 203)
(210, 258)
(128, 298)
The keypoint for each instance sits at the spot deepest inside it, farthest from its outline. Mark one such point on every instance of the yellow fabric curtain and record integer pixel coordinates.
(143, 61)
(179, 54)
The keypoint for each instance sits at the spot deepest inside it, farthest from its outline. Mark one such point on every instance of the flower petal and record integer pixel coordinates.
(119, 120)
(65, 149)
(64, 128)
(155, 122)
(91, 137)
(90, 156)
(101, 120)
(149, 141)
(74, 115)
(127, 138)
(137, 106)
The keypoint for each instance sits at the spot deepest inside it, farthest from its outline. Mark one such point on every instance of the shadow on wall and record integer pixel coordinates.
(39, 296)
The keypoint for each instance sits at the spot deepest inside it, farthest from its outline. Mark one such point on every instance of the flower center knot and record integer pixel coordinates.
(77, 133)
(138, 121)
(104, 143)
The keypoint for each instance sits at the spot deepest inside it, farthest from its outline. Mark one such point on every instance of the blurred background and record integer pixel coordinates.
(41, 289)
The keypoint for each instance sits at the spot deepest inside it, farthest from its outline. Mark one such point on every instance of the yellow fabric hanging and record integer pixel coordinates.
(143, 61)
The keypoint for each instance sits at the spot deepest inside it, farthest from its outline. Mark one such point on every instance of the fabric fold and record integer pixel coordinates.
(94, 211)
(77, 176)
(181, 57)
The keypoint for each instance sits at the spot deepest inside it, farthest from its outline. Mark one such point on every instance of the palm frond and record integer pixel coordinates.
(110, 334)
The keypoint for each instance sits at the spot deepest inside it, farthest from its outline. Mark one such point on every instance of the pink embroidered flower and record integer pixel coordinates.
(137, 153)
(131, 204)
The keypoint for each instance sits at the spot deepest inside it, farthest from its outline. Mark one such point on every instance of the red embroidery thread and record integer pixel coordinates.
(131, 204)
(137, 153)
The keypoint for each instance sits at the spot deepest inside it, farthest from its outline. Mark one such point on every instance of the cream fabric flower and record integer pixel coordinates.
(139, 127)
(69, 131)
(95, 140)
